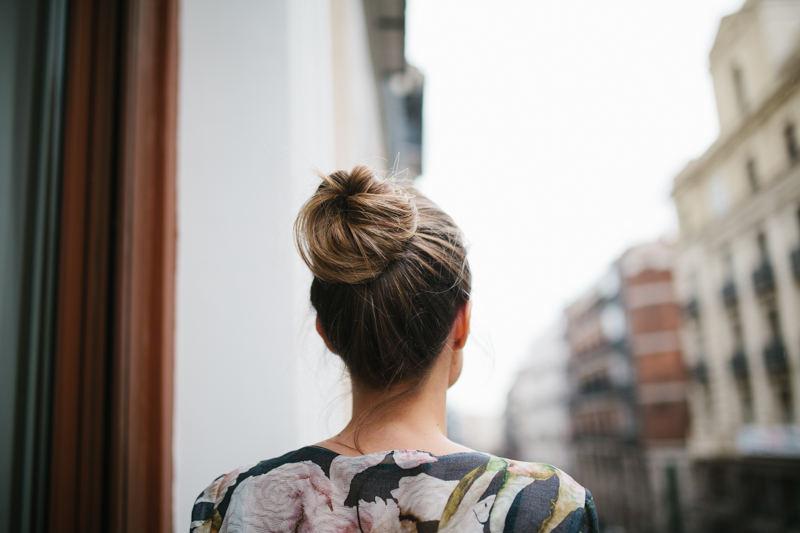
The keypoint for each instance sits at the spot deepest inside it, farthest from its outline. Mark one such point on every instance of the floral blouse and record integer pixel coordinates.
(317, 490)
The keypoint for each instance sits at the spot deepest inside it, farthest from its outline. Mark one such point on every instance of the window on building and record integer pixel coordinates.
(699, 340)
(673, 499)
(791, 143)
(738, 87)
(746, 398)
(752, 175)
(783, 391)
(736, 328)
(798, 217)
(773, 320)
(762, 246)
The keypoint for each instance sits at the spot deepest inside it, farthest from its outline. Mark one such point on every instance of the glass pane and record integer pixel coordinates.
(31, 70)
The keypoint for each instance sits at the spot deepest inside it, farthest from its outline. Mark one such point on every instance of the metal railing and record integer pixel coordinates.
(700, 372)
(764, 279)
(729, 296)
(739, 364)
(775, 357)
(692, 309)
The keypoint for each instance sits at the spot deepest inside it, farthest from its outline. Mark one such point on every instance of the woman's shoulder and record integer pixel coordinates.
(539, 493)
(211, 505)
(449, 492)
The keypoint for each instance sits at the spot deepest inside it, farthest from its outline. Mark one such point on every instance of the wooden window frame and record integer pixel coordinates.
(111, 459)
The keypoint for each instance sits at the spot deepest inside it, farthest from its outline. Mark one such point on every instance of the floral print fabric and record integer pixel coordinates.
(316, 490)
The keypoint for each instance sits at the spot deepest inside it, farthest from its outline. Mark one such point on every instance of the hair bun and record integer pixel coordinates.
(354, 226)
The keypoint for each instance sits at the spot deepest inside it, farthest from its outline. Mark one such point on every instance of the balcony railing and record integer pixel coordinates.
(700, 372)
(692, 309)
(795, 258)
(764, 279)
(729, 296)
(595, 386)
(581, 396)
(739, 364)
(775, 357)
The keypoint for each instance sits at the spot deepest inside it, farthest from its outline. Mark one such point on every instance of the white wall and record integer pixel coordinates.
(233, 266)
(359, 137)
(257, 113)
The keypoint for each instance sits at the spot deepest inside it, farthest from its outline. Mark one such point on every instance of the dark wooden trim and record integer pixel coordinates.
(112, 428)
(144, 377)
(79, 461)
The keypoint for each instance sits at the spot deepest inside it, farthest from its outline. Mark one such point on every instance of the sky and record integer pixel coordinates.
(552, 132)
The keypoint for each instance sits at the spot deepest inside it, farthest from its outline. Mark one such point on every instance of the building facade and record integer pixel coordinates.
(738, 274)
(628, 407)
(653, 314)
(608, 456)
(536, 418)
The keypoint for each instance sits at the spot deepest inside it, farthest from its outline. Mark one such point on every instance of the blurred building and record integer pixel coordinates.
(479, 431)
(653, 316)
(402, 98)
(155, 329)
(738, 273)
(537, 421)
(628, 407)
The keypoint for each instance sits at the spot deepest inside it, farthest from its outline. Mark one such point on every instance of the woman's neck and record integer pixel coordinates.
(415, 421)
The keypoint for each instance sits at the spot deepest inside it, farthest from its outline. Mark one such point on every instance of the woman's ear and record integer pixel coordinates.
(458, 338)
(322, 334)
(461, 325)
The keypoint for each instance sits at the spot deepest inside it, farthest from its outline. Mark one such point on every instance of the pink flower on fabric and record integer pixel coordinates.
(292, 497)
(407, 459)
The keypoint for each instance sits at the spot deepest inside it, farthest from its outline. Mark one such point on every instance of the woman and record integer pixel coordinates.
(391, 291)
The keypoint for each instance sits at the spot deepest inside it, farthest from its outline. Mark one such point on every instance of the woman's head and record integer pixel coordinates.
(390, 275)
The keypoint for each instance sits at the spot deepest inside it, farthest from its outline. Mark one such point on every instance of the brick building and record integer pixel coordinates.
(628, 410)
(654, 321)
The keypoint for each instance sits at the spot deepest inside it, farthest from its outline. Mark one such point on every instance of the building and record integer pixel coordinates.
(628, 408)
(537, 422)
(608, 456)
(653, 315)
(479, 431)
(737, 271)
(155, 329)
